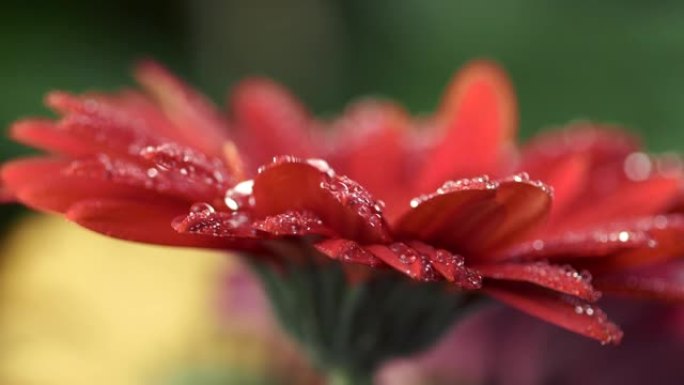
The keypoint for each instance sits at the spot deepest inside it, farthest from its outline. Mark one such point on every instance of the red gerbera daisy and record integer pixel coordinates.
(448, 198)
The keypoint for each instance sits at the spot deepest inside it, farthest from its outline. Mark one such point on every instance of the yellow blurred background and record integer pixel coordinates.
(79, 308)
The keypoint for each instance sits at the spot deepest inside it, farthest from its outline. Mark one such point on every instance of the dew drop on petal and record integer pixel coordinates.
(638, 166)
(152, 172)
(202, 208)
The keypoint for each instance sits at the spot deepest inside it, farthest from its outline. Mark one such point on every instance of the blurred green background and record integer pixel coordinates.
(616, 61)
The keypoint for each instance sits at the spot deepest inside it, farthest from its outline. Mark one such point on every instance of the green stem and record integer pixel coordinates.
(346, 377)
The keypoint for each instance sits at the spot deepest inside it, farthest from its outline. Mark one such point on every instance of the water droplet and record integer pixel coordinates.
(202, 208)
(152, 172)
(623, 236)
(637, 166)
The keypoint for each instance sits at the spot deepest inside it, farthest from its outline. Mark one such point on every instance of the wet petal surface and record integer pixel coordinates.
(344, 206)
(559, 309)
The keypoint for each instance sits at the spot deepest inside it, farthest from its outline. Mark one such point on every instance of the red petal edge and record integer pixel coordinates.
(559, 309)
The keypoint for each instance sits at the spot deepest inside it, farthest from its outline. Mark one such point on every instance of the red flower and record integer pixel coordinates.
(131, 164)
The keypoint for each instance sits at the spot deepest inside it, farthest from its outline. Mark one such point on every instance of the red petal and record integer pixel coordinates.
(141, 221)
(631, 200)
(450, 266)
(559, 309)
(406, 260)
(42, 183)
(666, 232)
(184, 184)
(297, 223)
(591, 243)
(45, 135)
(274, 122)
(667, 286)
(605, 147)
(479, 114)
(292, 185)
(373, 132)
(204, 220)
(190, 164)
(6, 195)
(192, 114)
(101, 124)
(348, 251)
(567, 176)
(562, 279)
(472, 217)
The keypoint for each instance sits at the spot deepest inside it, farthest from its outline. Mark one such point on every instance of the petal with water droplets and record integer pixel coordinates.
(373, 132)
(631, 200)
(343, 205)
(194, 116)
(293, 223)
(204, 220)
(596, 242)
(46, 135)
(560, 309)
(141, 221)
(472, 217)
(667, 246)
(562, 279)
(345, 250)
(42, 184)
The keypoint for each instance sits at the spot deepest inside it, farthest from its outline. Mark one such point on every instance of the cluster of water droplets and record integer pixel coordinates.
(204, 219)
(349, 252)
(99, 122)
(190, 165)
(587, 243)
(104, 167)
(639, 166)
(239, 197)
(523, 177)
(477, 183)
(425, 263)
(292, 223)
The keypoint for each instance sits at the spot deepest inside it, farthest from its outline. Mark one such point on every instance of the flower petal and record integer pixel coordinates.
(479, 115)
(666, 286)
(563, 279)
(103, 125)
(203, 219)
(141, 221)
(46, 184)
(192, 114)
(296, 223)
(631, 200)
(589, 243)
(271, 121)
(416, 260)
(559, 309)
(190, 164)
(666, 233)
(567, 177)
(6, 196)
(373, 132)
(473, 217)
(348, 251)
(293, 184)
(44, 134)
